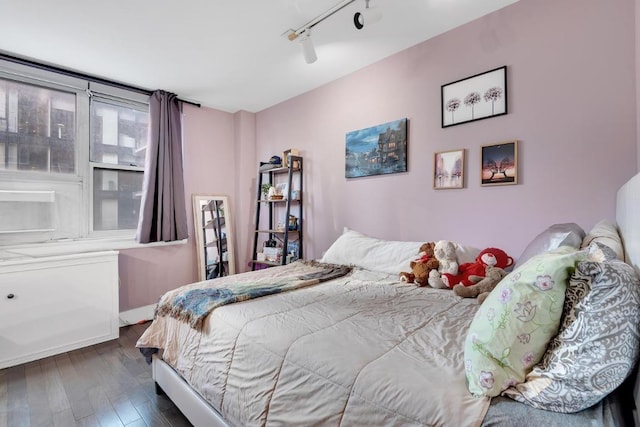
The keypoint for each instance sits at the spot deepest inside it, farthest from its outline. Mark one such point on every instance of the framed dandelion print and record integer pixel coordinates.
(448, 169)
(499, 163)
(475, 98)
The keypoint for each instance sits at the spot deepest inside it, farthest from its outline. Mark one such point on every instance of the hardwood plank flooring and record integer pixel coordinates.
(107, 384)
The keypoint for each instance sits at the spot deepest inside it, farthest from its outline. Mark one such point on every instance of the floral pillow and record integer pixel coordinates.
(598, 343)
(510, 332)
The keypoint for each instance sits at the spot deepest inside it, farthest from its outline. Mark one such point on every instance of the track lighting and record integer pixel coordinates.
(370, 15)
(307, 47)
(304, 32)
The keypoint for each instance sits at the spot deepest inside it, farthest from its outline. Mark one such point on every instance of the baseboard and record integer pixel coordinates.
(137, 315)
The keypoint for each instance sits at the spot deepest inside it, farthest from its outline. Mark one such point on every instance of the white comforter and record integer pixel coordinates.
(359, 350)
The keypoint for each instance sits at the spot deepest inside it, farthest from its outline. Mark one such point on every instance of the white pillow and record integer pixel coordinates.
(388, 256)
(606, 233)
(466, 254)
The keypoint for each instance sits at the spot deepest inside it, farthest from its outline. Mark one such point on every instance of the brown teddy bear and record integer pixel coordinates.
(492, 277)
(421, 267)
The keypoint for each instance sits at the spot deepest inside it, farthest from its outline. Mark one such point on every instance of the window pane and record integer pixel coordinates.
(37, 128)
(116, 199)
(118, 134)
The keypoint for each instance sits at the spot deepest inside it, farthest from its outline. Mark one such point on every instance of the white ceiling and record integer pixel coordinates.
(228, 55)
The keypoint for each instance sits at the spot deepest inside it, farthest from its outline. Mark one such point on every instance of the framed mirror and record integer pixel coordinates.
(214, 236)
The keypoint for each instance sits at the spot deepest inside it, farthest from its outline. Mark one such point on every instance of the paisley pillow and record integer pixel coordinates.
(511, 330)
(597, 345)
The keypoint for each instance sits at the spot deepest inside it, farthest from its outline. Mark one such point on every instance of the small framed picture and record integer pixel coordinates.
(283, 189)
(448, 169)
(474, 98)
(499, 163)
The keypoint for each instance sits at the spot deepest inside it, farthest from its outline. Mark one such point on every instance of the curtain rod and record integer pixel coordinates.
(77, 74)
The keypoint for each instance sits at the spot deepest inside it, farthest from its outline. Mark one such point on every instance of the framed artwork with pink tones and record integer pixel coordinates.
(499, 163)
(448, 169)
(475, 98)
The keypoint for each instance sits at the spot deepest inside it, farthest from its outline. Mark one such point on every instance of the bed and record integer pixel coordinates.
(343, 342)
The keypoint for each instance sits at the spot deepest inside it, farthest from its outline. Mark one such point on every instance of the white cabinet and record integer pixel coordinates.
(50, 305)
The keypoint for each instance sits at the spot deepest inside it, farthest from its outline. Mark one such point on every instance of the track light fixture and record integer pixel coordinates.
(307, 47)
(304, 32)
(367, 16)
(370, 15)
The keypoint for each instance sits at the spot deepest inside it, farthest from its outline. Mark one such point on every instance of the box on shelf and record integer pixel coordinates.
(285, 160)
(271, 254)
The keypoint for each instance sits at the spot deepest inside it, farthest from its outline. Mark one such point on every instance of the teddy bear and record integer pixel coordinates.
(421, 267)
(472, 272)
(492, 277)
(445, 252)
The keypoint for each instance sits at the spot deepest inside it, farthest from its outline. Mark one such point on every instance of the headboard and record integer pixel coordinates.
(628, 220)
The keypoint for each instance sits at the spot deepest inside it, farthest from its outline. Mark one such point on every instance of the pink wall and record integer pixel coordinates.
(246, 183)
(637, 65)
(571, 106)
(209, 160)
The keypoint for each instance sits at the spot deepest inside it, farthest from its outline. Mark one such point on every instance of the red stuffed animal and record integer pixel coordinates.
(471, 272)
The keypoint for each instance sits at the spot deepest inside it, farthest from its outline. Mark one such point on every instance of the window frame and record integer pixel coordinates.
(84, 90)
(97, 94)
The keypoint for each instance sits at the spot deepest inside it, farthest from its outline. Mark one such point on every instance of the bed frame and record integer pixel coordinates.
(193, 406)
(200, 413)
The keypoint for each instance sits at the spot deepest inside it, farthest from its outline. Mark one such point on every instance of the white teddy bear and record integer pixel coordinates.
(445, 252)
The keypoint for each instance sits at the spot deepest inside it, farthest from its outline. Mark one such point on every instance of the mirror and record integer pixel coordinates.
(214, 236)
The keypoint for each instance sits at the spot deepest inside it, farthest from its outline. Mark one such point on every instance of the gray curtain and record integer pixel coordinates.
(163, 216)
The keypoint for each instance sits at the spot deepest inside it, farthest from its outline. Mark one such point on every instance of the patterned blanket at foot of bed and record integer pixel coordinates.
(192, 303)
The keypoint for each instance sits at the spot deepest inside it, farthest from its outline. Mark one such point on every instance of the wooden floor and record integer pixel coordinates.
(107, 384)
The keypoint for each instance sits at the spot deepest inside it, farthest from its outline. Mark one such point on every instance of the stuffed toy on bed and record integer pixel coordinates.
(492, 277)
(421, 266)
(472, 272)
(445, 253)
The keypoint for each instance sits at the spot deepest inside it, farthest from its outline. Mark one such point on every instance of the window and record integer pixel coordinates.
(71, 156)
(117, 151)
(37, 128)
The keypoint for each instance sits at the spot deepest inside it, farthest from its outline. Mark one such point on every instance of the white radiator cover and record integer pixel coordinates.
(50, 305)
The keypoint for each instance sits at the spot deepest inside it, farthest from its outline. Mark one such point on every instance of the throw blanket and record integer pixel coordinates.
(192, 303)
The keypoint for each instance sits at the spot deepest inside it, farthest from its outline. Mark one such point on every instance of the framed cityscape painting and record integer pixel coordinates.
(474, 98)
(500, 163)
(377, 150)
(448, 169)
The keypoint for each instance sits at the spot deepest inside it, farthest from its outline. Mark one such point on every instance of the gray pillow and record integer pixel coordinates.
(567, 234)
(598, 343)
